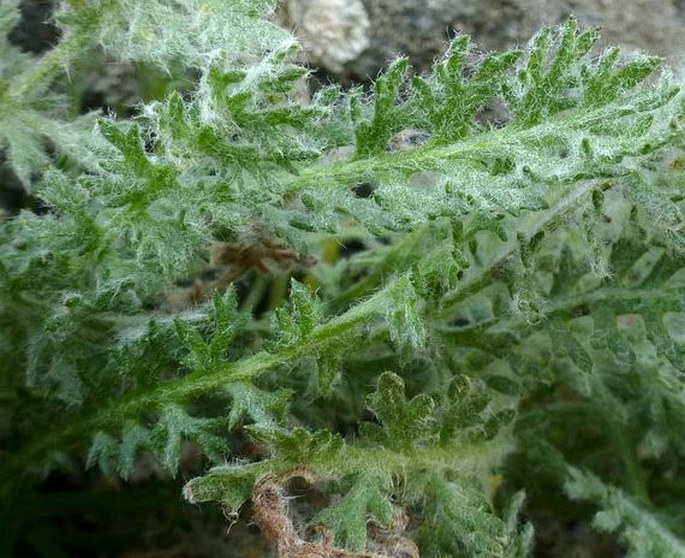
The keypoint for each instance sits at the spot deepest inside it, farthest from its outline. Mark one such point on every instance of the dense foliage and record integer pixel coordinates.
(425, 300)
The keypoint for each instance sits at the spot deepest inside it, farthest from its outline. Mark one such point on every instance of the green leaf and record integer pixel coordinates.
(65, 377)
(347, 518)
(565, 343)
(405, 323)
(9, 17)
(174, 426)
(229, 322)
(568, 272)
(26, 150)
(607, 334)
(464, 409)
(604, 82)
(438, 272)
(128, 143)
(328, 370)
(647, 532)
(464, 523)
(191, 29)
(134, 437)
(452, 100)
(299, 446)
(230, 484)
(405, 423)
(372, 136)
(302, 313)
(103, 452)
(262, 407)
(549, 72)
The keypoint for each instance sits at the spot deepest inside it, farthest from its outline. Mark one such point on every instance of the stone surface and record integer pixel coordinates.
(333, 32)
(34, 33)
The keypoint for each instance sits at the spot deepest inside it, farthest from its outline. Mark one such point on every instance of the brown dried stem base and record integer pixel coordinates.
(271, 514)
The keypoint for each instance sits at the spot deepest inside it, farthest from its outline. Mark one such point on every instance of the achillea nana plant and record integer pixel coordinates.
(422, 312)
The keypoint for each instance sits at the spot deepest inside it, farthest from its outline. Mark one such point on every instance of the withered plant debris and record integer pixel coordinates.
(269, 500)
(231, 261)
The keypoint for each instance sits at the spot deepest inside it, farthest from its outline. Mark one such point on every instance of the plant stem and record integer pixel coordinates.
(68, 435)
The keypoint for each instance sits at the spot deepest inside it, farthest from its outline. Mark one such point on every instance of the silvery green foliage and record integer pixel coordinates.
(649, 533)
(520, 278)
